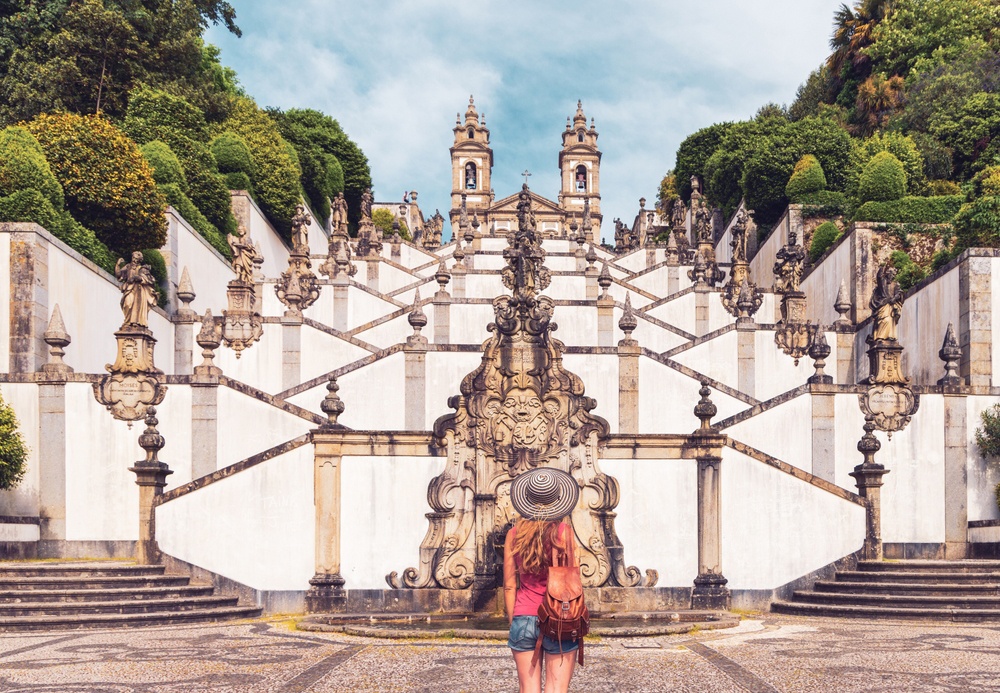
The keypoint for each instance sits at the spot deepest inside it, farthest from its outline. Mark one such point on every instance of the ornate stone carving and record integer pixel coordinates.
(843, 306)
(338, 252)
(518, 410)
(432, 231)
(625, 240)
(741, 297)
(369, 236)
(298, 288)
(138, 289)
(56, 337)
(300, 229)
(788, 266)
(950, 353)
(819, 350)
(209, 338)
(701, 224)
(242, 324)
(245, 254)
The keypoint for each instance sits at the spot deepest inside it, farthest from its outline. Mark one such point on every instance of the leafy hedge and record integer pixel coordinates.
(167, 169)
(882, 179)
(23, 165)
(939, 209)
(158, 268)
(383, 220)
(232, 154)
(187, 209)
(806, 178)
(977, 223)
(13, 450)
(825, 235)
(908, 272)
(107, 182)
(824, 203)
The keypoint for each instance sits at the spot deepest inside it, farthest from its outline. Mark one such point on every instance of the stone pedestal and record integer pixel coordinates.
(628, 386)
(340, 298)
(701, 293)
(746, 347)
(710, 591)
(458, 280)
(184, 341)
(956, 481)
(204, 425)
(52, 459)
(605, 321)
(593, 290)
(846, 371)
(868, 476)
(442, 317)
(885, 362)
(371, 278)
(415, 394)
(291, 351)
(975, 323)
(824, 431)
(326, 587)
(151, 477)
(673, 279)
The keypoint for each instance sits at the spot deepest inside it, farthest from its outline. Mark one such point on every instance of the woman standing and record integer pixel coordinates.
(543, 498)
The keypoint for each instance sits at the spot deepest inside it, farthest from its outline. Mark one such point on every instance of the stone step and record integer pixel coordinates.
(885, 612)
(912, 576)
(936, 601)
(104, 595)
(78, 570)
(70, 582)
(908, 588)
(121, 606)
(156, 618)
(963, 566)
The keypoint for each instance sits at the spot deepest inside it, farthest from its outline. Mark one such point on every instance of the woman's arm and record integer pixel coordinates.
(509, 576)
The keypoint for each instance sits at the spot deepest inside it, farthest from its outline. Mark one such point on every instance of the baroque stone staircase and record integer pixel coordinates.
(930, 590)
(105, 594)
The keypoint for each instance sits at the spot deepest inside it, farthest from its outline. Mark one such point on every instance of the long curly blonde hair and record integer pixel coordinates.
(534, 541)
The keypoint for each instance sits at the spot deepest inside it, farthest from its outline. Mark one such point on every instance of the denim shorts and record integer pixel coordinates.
(524, 635)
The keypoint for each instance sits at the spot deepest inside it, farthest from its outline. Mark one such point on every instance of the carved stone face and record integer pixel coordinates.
(522, 405)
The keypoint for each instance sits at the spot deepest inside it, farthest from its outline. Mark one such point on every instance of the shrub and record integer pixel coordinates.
(150, 108)
(23, 166)
(84, 241)
(187, 209)
(988, 432)
(334, 176)
(383, 220)
(167, 169)
(882, 179)
(238, 181)
(276, 172)
(941, 258)
(808, 177)
(909, 273)
(29, 205)
(912, 210)
(900, 146)
(232, 154)
(13, 451)
(825, 235)
(977, 223)
(986, 182)
(107, 182)
(941, 187)
(824, 203)
(158, 268)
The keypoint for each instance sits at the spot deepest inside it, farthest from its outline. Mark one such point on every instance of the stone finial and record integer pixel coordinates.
(950, 353)
(209, 338)
(591, 256)
(705, 409)
(150, 440)
(56, 337)
(442, 276)
(744, 303)
(417, 318)
(459, 254)
(332, 405)
(604, 279)
(819, 350)
(475, 224)
(843, 305)
(673, 254)
(628, 322)
(642, 203)
(869, 445)
(185, 291)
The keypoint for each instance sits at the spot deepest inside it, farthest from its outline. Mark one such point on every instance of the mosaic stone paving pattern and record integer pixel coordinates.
(762, 654)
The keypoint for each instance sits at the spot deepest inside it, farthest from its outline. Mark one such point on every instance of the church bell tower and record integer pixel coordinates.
(471, 166)
(580, 170)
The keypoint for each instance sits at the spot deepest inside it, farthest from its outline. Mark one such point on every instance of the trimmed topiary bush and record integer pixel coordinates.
(187, 209)
(238, 180)
(107, 182)
(912, 210)
(167, 169)
(824, 203)
(29, 205)
(23, 166)
(232, 154)
(158, 268)
(807, 177)
(882, 179)
(13, 450)
(825, 235)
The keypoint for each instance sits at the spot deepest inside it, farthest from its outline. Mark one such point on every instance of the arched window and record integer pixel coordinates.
(581, 178)
(472, 133)
(579, 136)
(471, 179)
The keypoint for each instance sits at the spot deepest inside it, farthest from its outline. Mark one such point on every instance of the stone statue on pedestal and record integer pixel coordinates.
(138, 290)
(886, 303)
(245, 251)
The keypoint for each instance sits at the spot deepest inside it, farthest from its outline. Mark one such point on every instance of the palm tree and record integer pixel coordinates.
(853, 31)
(878, 98)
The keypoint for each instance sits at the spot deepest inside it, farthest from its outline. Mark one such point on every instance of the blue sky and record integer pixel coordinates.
(395, 72)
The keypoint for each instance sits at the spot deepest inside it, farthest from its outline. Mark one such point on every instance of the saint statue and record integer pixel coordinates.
(679, 215)
(338, 217)
(788, 266)
(886, 303)
(245, 254)
(138, 290)
(739, 236)
(300, 228)
(525, 217)
(366, 204)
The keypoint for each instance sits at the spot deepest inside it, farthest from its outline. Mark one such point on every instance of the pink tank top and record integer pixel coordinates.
(531, 590)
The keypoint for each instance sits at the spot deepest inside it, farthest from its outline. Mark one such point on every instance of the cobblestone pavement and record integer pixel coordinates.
(768, 653)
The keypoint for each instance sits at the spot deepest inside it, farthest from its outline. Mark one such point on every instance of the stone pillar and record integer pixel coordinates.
(204, 425)
(184, 319)
(52, 421)
(628, 372)
(291, 351)
(956, 481)
(29, 299)
(458, 273)
(746, 348)
(710, 591)
(673, 279)
(701, 294)
(868, 476)
(605, 321)
(824, 431)
(442, 318)
(863, 278)
(593, 290)
(975, 323)
(371, 278)
(340, 283)
(151, 476)
(326, 587)
(415, 356)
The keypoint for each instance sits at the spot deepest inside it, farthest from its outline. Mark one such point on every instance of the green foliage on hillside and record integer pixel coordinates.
(807, 178)
(167, 169)
(384, 219)
(13, 450)
(939, 209)
(882, 179)
(825, 235)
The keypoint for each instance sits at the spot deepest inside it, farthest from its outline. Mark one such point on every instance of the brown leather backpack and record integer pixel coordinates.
(563, 615)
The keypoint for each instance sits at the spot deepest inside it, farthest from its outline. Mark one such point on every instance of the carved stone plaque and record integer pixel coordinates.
(890, 406)
(128, 395)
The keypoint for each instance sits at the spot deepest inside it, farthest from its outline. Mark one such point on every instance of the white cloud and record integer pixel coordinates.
(395, 72)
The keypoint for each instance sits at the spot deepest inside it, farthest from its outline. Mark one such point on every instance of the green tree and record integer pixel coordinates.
(13, 451)
(977, 224)
(694, 152)
(384, 220)
(882, 179)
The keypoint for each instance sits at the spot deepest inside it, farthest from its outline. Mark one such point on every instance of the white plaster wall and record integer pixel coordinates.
(793, 419)
(618, 292)
(577, 325)
(174, 416)
(428, 287)
(467, 323)
(823, 283)
(373, 396)
(23, 398)
(258, 366)
(102, 500)
(568, 287)
(649, 335)
(412, 256)
(481, 285)
(271, 246)
(718, 316)
(984, 475)
(762, 264)
(776, 528)
(600, 378)
(775, 372)
(634, 261)
(391, 278)
(268, 426)
(363, 307)
(716, 358)
(373, 544)
(913, 494)
(489, 262)
(922, 327)
(445, 371)
(322, 308)
(393, 331)
(256, 527)
(849, 422)
(322, 352)
(5, 300)
(667, 399)
(658, 516)
(208, 270)
(679, 312)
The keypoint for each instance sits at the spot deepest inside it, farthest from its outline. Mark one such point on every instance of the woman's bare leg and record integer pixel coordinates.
(558, 671)
(529, 678)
